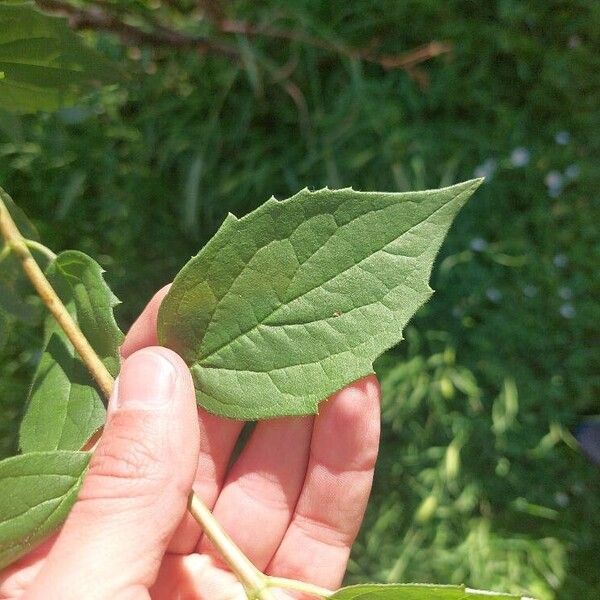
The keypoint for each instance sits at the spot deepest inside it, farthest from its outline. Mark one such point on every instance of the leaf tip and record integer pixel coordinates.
(470, 185)
(229, 220)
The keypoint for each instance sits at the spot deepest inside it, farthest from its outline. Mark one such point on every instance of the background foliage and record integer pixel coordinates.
(480, 479)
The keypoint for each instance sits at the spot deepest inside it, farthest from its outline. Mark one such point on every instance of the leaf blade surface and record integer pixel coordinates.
(37, 490)
(65, 406)
(417, 591)
(295, 300)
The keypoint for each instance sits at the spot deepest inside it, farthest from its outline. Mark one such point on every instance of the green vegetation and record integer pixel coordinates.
(480, 480)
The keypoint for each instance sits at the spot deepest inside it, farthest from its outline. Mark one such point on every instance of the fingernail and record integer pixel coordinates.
(147, 381)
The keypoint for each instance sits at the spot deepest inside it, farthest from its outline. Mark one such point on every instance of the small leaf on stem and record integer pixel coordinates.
(37, 490)
(65, 406)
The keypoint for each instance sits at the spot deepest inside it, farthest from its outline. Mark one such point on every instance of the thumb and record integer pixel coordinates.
(135, 492)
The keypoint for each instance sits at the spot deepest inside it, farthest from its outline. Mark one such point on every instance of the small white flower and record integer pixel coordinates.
(562, 138)
(530, 290)
(554, 182)
(567, 310)
(560, 261)
(561, 499)
(572, 171)
(520, 157)
(493, 294)
(478, 244)
(564, 292)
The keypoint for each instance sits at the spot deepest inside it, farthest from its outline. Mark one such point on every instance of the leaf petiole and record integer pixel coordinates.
(299, 586)
(33, 245)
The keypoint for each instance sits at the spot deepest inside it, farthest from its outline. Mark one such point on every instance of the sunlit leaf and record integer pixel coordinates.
(295, 300)
(65, 406)
(37, 491)
(417, 591)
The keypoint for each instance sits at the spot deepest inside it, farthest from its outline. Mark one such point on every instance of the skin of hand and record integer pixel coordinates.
(293, 500)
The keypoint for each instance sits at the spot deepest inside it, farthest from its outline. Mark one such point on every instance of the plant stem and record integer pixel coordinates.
(299, 586)
(254, 582)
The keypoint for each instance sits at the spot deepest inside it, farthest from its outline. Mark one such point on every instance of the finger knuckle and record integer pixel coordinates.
(125, 464)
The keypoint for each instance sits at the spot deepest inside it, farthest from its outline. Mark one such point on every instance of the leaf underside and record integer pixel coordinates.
(294, 301)
(44, 64)
(65, 406)
(417, 591)
(37, 490)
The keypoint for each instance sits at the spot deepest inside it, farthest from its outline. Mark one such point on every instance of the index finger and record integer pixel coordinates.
(143, 331)
(217, 435)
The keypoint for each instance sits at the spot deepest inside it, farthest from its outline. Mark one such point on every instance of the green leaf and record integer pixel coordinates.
(65, 406)
(44, 64)
(417, 591)
(295, 300)
(37, 491)
(79, 281)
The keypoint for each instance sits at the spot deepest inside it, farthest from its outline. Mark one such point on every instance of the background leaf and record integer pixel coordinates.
(43, 62)
(65, 406)
(26, 227)
(37, 491)
(14, 288)
(416, 591)
(4, 328)
(78, 280)
(292, 302)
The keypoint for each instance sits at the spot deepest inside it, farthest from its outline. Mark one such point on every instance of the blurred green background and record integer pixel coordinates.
(480, 480)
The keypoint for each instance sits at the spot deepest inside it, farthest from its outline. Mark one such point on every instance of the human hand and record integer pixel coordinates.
(293, 500)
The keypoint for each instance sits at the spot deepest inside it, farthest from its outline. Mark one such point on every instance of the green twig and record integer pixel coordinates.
(256, 585)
